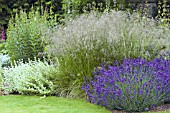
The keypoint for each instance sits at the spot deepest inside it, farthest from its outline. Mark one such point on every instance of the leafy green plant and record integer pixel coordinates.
(84, 43)
(4, 8)
(73, 6)
(163, 12)
(8, 7)
(27, 34)
(2, 47)
(33, 78)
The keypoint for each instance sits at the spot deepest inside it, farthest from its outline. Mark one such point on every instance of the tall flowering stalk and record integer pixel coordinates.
(134, 85)
(3, 35)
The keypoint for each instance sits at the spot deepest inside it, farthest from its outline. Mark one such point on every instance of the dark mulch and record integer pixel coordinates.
(165, 107)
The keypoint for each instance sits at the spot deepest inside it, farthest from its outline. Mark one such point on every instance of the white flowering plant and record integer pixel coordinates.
(32, 78)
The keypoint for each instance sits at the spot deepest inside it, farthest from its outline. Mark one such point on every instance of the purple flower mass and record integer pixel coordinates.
(136, 84)
(3, 35)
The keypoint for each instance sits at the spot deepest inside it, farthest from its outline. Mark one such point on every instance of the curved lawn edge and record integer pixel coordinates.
(51, 104)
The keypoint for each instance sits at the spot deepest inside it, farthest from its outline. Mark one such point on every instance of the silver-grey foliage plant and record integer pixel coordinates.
(4, 59)
(32, 78)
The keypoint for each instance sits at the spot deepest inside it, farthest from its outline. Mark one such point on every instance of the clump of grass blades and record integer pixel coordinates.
(84, 43)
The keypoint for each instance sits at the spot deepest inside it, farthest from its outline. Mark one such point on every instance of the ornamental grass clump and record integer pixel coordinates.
(135, 85)
(87, 41)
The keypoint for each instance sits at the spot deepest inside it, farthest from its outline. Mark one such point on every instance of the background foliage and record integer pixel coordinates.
(10, 7)
(66, 7)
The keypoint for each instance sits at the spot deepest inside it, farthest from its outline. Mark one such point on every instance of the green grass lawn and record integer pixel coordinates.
(35, 104)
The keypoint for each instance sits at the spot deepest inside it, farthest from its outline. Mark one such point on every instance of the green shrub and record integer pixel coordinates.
(33, 78)
(26, 35)
(2, 47)
(89, 40)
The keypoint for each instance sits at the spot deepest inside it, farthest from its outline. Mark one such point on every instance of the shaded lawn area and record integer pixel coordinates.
(36, 104)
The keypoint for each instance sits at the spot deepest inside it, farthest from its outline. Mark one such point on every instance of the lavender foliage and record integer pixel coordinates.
(134, 85)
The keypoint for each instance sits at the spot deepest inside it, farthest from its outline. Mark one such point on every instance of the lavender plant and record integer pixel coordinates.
(135, 85)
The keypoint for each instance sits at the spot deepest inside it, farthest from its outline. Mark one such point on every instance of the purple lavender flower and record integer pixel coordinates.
(127, 90)
(135, 83)
(140, 92)
(135, 92)
(146, 109)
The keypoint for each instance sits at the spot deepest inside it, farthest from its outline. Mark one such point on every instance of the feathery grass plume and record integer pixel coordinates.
(85, 42)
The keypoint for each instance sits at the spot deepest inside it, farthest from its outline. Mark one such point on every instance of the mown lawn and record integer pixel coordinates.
(36, 104)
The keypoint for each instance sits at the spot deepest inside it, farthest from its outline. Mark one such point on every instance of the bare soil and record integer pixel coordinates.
(164, 107)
